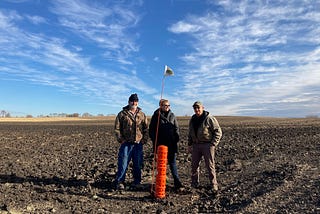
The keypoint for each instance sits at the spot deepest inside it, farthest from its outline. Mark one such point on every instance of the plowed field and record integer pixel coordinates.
(264, 165)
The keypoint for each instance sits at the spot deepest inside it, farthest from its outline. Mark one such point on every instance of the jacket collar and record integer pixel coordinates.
(127, 108)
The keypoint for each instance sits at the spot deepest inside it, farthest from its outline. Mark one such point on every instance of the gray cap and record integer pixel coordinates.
(197, 103)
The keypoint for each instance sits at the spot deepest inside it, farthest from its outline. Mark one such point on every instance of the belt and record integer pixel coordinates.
(204, 141)
(133, 142)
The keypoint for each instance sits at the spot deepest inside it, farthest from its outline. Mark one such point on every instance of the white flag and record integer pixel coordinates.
(168, 71)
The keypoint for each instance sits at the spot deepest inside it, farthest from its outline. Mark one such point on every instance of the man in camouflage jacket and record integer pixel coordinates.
(131, 130)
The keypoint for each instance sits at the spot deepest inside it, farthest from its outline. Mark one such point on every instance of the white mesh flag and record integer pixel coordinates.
(168, 71)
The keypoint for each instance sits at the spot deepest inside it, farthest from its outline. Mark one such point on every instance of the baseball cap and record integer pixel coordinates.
(197, 103)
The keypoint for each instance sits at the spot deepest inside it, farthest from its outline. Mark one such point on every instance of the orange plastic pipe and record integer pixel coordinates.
(162, 154)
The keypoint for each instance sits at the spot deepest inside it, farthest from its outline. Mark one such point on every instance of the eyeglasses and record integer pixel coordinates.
(196, 107)
(166, 105)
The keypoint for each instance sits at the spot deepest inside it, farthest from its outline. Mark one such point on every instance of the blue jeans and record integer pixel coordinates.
(127, 152)
(173, 168)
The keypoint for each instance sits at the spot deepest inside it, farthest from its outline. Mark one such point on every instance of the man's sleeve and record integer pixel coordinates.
(117, 128)
(217, 132)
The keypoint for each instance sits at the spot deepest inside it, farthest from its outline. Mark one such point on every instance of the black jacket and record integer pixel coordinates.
(168, 131)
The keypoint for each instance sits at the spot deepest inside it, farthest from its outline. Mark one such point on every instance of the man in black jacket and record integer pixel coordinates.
(168, 135)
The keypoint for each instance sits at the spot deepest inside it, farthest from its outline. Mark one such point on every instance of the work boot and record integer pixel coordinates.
(214, 191)
(178, 185)
(118, 186)
(136, 187)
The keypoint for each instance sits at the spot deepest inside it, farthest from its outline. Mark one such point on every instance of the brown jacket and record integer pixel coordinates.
(131, 129)
(209, 131)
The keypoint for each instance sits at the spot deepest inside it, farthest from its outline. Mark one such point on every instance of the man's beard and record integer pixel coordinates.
(133, 107)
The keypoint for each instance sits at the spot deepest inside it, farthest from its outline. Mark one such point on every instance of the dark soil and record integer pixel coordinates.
(264, 165)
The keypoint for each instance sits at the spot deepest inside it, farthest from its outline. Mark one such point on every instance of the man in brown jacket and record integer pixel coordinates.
(131, 130)
(204, 135)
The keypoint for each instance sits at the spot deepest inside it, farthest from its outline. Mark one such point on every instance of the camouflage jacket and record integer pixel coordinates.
(209, 130)
(129, 128)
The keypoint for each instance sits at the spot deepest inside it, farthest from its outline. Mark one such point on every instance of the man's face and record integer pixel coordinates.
(133, 104)
(198, 110)
(165, 106)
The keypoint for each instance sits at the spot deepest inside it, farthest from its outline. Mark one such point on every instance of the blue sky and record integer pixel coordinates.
(255, 58)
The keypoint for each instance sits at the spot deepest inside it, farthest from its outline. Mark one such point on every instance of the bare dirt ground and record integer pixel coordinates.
(264, 165)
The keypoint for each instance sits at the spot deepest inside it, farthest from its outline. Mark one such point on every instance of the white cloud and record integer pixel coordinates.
(106, 25)
(51, 61)
(36, 19)
(258, 55)
(255, 58)
(183, 27)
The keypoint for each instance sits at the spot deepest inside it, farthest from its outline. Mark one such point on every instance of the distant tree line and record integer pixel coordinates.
(86, 114)
(67, 115)
(4, 113)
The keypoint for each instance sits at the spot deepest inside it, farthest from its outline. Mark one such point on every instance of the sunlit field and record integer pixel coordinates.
(67, 165)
